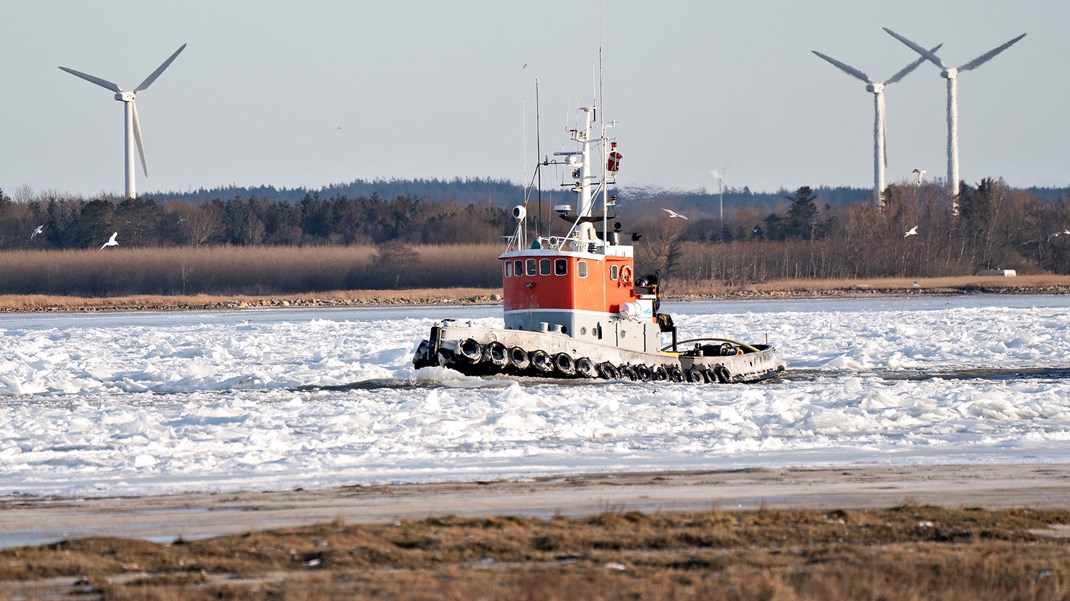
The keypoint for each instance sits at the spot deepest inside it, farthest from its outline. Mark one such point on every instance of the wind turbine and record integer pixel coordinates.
(719, 176)
(951, 74)
(880, 147)
(132, 127)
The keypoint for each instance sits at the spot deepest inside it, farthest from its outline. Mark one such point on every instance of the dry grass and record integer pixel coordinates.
(1035, 284)
(234, 277)
(904, 553)
(243, 270)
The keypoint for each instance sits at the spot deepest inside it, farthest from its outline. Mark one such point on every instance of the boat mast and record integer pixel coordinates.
(538, 159)
(605, 164)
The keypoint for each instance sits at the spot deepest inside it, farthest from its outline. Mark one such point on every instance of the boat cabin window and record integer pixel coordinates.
(581, 269)
(518, 267)
(544, 266)
(531, 266)
(560, 266)
(614, 272)
(508, 269)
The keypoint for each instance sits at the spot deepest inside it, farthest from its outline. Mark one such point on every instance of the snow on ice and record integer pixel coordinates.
(142, 403)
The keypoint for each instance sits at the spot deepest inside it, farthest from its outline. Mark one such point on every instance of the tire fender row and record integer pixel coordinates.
(495, 357)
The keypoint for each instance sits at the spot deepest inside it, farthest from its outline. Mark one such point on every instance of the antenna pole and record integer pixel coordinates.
(538, 167)
(605, 166)
(524, 176)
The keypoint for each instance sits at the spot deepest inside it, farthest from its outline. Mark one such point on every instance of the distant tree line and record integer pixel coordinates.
(797, 235)
(75, 223)
(915, 234)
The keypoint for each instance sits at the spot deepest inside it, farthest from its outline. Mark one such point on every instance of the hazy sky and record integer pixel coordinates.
(309, 93)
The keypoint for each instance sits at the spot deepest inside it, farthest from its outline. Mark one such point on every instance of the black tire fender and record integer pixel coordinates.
(643, 372)
(564, 364)
(586, 368)
(471, 350)
(496, 354)
(519, 359)
(540, 360)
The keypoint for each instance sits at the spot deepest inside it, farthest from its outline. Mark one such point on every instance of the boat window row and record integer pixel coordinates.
(532, 267)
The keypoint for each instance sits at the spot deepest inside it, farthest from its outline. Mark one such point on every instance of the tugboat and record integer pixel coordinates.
(573, 307)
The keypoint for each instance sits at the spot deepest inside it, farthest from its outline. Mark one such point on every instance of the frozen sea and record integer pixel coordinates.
(159, 402)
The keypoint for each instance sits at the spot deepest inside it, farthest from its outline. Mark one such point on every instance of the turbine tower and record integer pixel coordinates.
(132, 127)
(719, 176)
(880, 146)
(951, 74)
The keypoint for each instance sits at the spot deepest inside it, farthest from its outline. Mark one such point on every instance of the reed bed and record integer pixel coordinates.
(229, 270)
(1027, 284)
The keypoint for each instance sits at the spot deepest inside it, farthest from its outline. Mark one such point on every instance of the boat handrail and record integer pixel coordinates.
(743, 345)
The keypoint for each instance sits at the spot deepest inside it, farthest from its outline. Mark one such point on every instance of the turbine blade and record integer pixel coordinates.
(916, 48)
(137, 138)
(907, 69)
(848, 69)
(984, 58)
(92, 78)
(151, 78)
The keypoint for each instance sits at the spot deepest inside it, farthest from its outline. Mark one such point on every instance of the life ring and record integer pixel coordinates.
(518, 358)
(471, 350)
(565, 364)
(540, 360)
(496, 354)
(625, 276)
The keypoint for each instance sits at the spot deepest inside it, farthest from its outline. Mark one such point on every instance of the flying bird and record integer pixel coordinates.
(37, 230)
(911, 232)
(675, 214)
(111, 241)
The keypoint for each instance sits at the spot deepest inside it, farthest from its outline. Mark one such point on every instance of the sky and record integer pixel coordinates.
(290, 94)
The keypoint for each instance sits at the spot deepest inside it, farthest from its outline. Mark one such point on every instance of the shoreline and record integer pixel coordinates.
(682, 292)
(30, 520)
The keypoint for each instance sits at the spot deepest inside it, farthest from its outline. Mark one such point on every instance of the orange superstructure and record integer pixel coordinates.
(548, 279)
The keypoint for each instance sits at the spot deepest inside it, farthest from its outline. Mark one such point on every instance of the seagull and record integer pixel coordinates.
(911, 232)
(921, 175)
(38, 230)
(675, 214)
(915, 285)
(111, 241)
(1057, 234)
